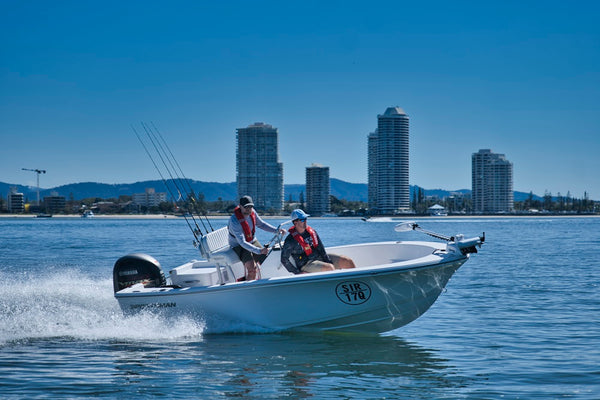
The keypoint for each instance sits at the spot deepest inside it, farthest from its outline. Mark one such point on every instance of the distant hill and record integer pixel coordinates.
(340, 189)
(212, 190)
(5, 187)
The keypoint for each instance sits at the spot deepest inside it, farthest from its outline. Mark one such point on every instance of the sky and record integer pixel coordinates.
(521, 78)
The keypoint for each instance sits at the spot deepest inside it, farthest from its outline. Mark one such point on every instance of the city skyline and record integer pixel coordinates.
(521, 80)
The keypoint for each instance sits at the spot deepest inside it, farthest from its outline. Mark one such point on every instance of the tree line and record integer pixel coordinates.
(419, 205)
(548, 204)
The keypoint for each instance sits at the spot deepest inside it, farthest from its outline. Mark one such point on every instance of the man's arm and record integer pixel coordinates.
(265, 226)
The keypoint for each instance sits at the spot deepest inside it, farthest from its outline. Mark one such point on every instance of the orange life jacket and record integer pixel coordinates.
(305, 246)
(248, 233)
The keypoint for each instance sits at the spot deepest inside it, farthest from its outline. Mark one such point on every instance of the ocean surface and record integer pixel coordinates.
(520, 320)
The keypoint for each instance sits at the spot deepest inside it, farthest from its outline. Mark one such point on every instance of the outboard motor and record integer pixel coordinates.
(137, 268)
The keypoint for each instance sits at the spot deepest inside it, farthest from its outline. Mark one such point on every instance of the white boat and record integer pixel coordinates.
(393, 283)
(378, 219)
(87, 214)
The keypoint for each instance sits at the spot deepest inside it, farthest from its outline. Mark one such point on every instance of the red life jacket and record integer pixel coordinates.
(248, 233)
(305, 246)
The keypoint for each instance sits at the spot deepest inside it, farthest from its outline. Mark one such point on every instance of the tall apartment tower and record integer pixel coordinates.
(492, 182)
(259, 172)
(317, 190)
(389, 190)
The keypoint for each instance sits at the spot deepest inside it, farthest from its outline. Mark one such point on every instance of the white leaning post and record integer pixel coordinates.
(214, 246)
(214, 242)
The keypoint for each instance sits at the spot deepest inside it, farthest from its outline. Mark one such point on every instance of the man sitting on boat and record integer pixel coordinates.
(304, 246)
(242, 227)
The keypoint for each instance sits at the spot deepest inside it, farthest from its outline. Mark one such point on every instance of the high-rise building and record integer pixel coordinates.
(259, 172)
(389, 189)
(492, 182)
(317, 190)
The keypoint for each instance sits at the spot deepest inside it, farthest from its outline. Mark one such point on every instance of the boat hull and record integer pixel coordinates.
(370, 299)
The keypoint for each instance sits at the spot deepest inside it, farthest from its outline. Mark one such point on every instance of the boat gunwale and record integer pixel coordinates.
(294, 279)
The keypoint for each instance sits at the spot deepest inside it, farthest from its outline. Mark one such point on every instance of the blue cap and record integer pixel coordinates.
(298, 214)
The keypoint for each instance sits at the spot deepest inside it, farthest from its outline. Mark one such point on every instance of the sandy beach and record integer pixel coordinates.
(398, 217)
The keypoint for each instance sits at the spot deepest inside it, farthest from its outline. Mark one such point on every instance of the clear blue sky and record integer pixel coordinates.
(520, 78)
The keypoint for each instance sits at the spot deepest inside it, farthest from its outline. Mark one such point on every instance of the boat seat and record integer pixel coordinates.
(215, 243)
(227, 256)
(214, 246)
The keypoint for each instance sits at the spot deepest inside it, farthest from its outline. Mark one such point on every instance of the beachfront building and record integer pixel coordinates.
(492, 182)
(259, 172)
(317, 190)
(55, 203)
(389, 190)
(150, 198)
(15, 201)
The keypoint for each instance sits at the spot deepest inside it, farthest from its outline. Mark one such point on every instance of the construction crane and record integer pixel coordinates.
(38, 172)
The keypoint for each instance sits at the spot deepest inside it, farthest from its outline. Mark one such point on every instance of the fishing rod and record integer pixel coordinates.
(173, 181)
(177, 183)
(186, 180)
(194, 231)
(193, 196)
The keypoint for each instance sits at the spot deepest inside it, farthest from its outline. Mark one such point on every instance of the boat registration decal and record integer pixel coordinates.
(353, 292)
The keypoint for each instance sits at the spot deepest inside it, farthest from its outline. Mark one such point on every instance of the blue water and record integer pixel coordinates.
(520, 320)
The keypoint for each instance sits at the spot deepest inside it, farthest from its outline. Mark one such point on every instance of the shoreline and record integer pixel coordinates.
(398, 217)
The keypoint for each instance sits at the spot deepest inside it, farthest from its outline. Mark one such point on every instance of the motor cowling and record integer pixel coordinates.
(137, 268)
(467, 246)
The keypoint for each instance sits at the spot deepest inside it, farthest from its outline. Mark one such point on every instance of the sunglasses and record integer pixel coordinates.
(299, 220)
(248, 206)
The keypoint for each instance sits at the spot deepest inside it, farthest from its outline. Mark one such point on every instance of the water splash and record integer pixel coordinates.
(72, 304)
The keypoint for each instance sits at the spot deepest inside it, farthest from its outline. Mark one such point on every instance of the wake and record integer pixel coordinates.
(72, 305)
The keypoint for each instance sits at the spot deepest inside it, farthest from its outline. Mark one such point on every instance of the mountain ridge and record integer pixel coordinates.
(212, 190)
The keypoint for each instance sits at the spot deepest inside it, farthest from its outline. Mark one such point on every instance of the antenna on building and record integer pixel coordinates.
(38, 172)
